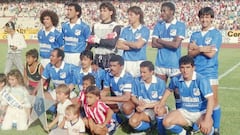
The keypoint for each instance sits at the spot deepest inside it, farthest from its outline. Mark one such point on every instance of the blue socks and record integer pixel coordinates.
(142, 126)
(177, 129)
(178, 103)
(160, 127)
(216, 117)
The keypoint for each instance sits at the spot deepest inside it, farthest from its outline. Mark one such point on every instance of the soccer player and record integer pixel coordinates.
(133, 40)
(196, 100)
(167, 38)
(147, 92)
(86, 58)
(16, 44)
(48, 37)
(75, 33)
(105, 35)
(204, 47)
(59, 72)
(119, 83)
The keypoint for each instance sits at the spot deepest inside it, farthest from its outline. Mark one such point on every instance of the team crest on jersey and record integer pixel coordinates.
(77, 32)
(138, 35)
(51, 39)
(63, 75)
(196, 92)
(154, 94)
(208, 40)
(173, 32)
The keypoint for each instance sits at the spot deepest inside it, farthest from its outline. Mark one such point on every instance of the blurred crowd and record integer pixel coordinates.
(227, 13)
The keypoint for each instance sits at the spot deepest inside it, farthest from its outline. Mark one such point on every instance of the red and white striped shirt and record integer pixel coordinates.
(82, 98)
(98, 112)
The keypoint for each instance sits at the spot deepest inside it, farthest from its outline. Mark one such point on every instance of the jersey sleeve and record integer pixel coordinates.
(46, 72)
(217, 40)
(205, 87)
(181, 30)
(106, 82)
(145, 34)
(156, 31)
(128, 83)
(111, 43)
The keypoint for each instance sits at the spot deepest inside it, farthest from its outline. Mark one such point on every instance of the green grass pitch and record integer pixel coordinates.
(229, 91)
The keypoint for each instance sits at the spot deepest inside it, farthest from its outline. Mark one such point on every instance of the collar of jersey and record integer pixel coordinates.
(211, 28)
(194, 77)
(121, 75)
(154, 79)
(89, 70)
(52, 29)
(78, 21)
(61, 67)
(174, 21)
(138, 28)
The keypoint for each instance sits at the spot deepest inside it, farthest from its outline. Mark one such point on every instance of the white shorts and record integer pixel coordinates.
(54, 94)
(72, 58)
(133, 67)
(150, 113)
(213, 81)
(170, 72)
(190, 117)
(44, 62)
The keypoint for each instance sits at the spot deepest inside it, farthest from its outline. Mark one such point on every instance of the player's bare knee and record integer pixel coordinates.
(134, 121)
(128, 108)
(166, 122)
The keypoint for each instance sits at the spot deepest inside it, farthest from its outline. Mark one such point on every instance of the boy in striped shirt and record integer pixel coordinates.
(99, 115)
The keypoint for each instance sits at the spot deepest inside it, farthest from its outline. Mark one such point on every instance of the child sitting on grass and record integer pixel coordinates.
(99, 115)
(63, 100)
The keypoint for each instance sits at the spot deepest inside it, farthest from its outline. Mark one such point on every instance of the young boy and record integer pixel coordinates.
(72, 122)
(32, 71)
(3, 82)
(99, 115)
(63, 93)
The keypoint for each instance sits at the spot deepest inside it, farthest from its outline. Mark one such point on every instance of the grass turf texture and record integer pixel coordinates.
(229, 92)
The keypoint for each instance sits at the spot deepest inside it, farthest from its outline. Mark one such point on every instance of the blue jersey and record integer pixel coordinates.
(62, 75)
(128, 34)
(75, 37)
(204, 65)
(153, 93)
(119, 85)
(48, 42)
(167, 57)
(79, 74)
(193, 97)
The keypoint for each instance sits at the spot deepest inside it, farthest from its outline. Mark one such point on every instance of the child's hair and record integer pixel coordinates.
(33, 53)
(93, 90)
(73, 108)
(3, 78)
(90, 78)
(63, 88)
(16, 73)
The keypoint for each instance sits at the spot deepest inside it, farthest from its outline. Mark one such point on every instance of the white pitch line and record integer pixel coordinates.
(228, 71)
(228, 88)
